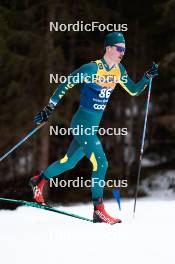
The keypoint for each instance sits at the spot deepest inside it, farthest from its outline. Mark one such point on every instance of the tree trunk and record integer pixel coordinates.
(44, 133)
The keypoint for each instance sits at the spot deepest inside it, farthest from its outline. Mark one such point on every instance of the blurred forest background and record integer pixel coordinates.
(29, 52)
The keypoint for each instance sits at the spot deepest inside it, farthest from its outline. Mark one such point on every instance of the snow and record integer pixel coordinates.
(30, 235)
(153, 160)
(161, 184)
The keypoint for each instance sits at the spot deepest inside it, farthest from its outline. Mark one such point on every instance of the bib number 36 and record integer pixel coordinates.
(105, 93)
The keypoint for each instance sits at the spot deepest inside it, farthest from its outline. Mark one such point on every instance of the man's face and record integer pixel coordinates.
(116, 52)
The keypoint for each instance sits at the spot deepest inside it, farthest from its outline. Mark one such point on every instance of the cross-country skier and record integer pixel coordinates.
(95, 93)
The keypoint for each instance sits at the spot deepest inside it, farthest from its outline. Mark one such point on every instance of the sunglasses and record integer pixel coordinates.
(120, 49)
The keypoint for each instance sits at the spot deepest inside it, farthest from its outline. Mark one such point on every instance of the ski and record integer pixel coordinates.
(44, 207)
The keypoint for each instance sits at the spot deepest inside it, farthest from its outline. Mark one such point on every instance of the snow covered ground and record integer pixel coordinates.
(30, 235)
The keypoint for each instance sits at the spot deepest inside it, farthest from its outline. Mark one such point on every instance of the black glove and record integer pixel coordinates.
(44, 114)
(152, 72)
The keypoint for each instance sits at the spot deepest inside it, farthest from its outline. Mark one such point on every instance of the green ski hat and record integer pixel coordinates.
(113, 38)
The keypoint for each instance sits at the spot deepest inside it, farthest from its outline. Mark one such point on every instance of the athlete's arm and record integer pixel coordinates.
(132, 88)
(80, 74)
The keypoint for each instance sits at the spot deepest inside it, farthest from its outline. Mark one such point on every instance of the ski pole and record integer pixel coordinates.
(21, 141)
(142, 145)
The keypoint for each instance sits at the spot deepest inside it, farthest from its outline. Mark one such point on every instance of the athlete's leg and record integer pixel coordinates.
(72, 157)
(93, 149)
(69, 161)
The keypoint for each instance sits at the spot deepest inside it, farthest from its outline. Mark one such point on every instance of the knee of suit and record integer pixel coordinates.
(70, 163)
(98, 162)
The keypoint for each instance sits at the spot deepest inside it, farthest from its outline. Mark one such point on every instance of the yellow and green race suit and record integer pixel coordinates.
(98, 81)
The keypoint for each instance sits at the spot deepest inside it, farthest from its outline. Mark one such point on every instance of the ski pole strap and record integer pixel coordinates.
(33, 131)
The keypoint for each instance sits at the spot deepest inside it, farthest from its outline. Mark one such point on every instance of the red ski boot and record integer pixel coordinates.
(37, 183)
(101, 216)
